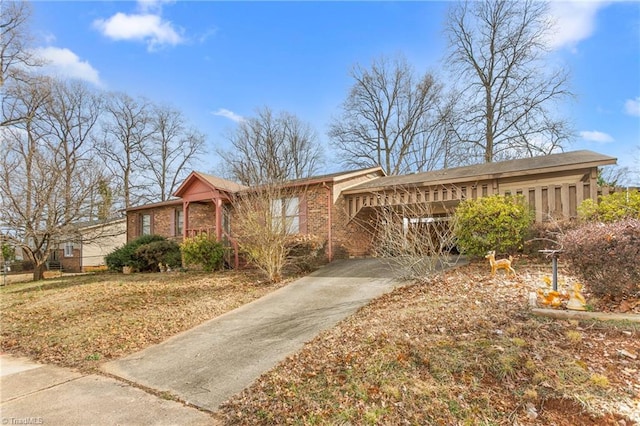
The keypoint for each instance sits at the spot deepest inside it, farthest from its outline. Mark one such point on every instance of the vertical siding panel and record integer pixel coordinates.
(558, 200)
(538, 203)
(573, 200)
(579, 193)
(531, 197)
(566, 203)
(545, 203)
(551, 194)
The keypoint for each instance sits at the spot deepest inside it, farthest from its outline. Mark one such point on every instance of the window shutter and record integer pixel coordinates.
(303, 214)
(172, 223)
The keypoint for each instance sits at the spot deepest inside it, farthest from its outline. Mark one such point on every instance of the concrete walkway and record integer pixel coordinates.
(208, 364)
(35, 394)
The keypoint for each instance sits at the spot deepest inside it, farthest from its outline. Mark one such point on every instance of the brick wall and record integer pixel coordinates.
(201, 216)
(350, 239)
(162, 221)
(68, 264)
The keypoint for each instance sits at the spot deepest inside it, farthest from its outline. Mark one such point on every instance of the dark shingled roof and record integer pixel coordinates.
(524, 166)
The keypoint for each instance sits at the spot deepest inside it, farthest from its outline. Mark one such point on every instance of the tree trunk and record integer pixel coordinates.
(38, 271)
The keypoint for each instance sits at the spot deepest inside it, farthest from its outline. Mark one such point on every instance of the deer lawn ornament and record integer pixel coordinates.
(499, 264)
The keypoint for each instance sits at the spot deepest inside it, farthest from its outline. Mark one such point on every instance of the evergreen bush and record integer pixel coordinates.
(154, 253)
(204, 252)
(126, 255)
(498, 222)
(612, 207)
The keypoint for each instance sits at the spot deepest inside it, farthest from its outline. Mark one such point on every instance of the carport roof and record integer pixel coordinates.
(534, 165)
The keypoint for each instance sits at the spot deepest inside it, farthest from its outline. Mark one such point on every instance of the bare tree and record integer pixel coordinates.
(614, 176)
(416, 238)
(272, 148)
(393, 119)
(267, 228)
(46, 178)
(15, 40)
(70, 118)
(171, 149)
(508, 91)
(16, 57)
(127, 128)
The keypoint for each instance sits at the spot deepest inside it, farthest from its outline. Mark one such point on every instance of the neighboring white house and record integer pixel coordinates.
(100, 240)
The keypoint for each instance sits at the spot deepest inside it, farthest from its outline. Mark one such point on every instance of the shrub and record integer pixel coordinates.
(126, 255)
(156, 252)
(305, 252)
(497, 223)
(606, 257)
(612, 207)
(203, 251)
(547, 235)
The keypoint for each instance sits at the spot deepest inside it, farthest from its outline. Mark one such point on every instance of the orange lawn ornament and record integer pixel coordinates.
(551, 297)
(577, 301)
(499, 264)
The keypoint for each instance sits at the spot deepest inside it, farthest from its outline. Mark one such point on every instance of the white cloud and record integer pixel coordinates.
(632, 106)
(228, 114)
(596, 136)
(574, 21)
(65, 63)
(149, 28)
(152, 5)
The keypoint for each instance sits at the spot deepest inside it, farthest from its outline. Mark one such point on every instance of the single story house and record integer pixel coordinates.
(86, 252)
(334, 206)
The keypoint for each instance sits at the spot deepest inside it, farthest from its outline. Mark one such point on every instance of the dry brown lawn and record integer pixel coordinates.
(82, 321)
(459, 349)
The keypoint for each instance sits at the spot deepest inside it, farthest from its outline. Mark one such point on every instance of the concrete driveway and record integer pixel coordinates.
(209, 363)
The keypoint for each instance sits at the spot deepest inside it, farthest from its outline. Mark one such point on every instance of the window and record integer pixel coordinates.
(68, 249)
(179, 222)
(286, 215)
(145, 222)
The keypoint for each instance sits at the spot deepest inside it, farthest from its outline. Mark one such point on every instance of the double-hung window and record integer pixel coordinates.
(68, 249)
(179, 222)
(285, 213)
(145, 224)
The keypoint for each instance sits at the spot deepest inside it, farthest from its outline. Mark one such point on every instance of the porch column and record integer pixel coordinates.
(218, 204)
(185, 219)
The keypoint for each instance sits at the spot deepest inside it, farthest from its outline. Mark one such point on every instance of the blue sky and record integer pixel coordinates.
(219, 61)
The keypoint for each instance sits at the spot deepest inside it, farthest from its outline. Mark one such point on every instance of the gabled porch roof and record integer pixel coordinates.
(200, 186)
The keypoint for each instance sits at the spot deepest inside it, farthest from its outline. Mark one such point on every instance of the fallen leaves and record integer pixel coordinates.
(460, 348)
(81, 321)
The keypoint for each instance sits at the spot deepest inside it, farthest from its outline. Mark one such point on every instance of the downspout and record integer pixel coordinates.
(329, 220)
